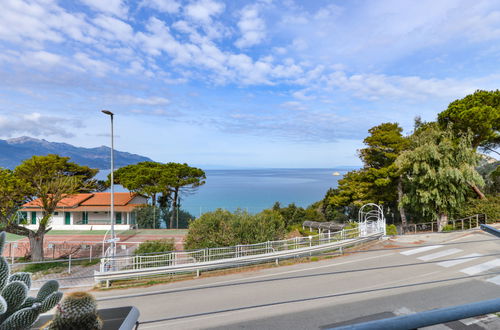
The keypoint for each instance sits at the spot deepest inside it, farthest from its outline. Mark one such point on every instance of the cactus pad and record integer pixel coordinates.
(22, 319)
(49, 302)
(21, 276)
(17, 311)
(46, 289)
(15, 294)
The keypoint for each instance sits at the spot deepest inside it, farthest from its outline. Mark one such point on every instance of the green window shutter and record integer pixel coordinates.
(67, 218)
(118, 217)
(33, 218)
(85, 218)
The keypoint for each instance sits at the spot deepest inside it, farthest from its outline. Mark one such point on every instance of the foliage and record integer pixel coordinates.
(78, 310)
(161, 182)
(478, 113)
(439, 170)
(49, 179)
(38, 267)
(155, 246)
(391, 230)
(17, 310)
(489, 206)
(491, 175)
(12, 195)
(223, 228)
(182, 219)
(148, 216)
(293, 214)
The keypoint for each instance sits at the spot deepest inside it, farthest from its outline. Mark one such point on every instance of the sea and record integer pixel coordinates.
(257, 189)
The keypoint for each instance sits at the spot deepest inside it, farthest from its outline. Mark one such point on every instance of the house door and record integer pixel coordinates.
(118, 218)
(67, 218)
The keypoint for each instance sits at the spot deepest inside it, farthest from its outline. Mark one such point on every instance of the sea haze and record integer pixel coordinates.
(257, 189)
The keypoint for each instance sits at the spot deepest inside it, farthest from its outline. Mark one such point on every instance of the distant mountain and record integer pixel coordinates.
(14, 151)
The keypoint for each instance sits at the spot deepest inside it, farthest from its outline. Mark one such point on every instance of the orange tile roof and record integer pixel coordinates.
(69, 201)
(93, 201)
(105, 199)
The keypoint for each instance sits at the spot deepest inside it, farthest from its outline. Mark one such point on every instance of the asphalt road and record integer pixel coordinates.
(395, 277)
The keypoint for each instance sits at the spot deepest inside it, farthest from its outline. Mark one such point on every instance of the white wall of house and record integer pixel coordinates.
(96, 221)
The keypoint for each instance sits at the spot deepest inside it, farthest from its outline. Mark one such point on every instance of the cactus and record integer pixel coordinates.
(77, 311)
(17, 310)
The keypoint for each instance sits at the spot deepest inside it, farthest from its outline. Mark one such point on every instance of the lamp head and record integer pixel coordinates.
(107, 112)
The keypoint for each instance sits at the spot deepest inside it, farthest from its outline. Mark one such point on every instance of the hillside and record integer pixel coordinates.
(14, 151)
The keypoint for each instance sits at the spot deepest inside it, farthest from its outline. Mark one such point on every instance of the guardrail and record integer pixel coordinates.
(491, 230)
(196, 261)
(428, 318)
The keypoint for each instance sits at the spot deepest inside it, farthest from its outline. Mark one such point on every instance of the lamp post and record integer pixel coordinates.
(112, 213)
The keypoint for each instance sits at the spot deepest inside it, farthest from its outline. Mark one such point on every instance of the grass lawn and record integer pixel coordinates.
(13, 237)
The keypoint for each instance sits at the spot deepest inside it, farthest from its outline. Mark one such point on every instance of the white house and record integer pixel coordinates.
(87, 211)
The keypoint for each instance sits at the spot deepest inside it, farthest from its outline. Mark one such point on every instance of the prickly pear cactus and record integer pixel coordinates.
(77, 311)
(17, 310)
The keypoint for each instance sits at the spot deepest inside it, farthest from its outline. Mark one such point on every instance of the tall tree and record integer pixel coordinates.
(181, 178)
(440, 169)
(384, 144)
(143, 178)
(13, 193)
(478, 113)
(49, 179)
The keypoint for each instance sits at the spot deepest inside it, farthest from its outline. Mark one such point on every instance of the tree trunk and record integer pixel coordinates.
(442, 221)
(478, 192)
(174, 208)
(400, 207)
(36, 245)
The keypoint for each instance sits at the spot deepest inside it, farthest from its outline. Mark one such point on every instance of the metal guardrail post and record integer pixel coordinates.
(69, 265)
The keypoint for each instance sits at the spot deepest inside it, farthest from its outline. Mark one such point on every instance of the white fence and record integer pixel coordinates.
(371, 225)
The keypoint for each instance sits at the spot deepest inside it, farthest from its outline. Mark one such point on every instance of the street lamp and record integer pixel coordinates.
(112, 215)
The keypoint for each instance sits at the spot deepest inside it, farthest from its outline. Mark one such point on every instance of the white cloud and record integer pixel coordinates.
(149, 101)
(252, 27)
(203, 10)
(36, 124)
(114, 7)
(164, 6)
(114, 29)
(293, 105)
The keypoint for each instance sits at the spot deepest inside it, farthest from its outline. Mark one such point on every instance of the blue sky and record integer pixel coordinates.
(274, 83)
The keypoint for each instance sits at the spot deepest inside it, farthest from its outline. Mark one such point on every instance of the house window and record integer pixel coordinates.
(118, 217)
(23, 217)
(33, 218)
(67, 218)
(56, 213)
(85, 218)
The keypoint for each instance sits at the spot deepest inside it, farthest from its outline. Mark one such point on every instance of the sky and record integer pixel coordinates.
(238, 84)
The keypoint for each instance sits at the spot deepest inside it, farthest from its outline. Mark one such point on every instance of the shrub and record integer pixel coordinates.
(223, 228)
(489, 206)
(391, 230)
(155, 246)
(448, 228)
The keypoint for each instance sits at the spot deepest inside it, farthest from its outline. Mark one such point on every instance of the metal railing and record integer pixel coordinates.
(428, 318)
(459, 224)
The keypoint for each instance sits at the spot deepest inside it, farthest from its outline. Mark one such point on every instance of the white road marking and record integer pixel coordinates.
(450, 263)
(439, 254)
(419, 250)
(481, 267)
(495, 280)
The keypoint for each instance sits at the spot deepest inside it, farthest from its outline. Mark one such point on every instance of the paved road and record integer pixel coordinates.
(397, 276)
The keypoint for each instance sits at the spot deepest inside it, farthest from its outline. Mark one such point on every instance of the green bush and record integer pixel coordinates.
(489, 206)
(33, 268)
(448, 228)
(391, 230)
(223, 228)
(155, 246)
